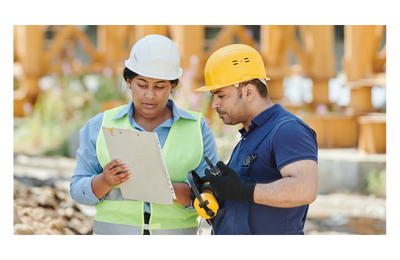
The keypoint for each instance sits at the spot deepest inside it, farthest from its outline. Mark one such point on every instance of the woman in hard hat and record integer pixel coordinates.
(151, 72)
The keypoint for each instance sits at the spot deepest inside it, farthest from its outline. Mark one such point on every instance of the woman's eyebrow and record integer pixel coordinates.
(161, 81)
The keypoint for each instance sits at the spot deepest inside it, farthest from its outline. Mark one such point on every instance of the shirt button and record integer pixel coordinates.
(244, 138)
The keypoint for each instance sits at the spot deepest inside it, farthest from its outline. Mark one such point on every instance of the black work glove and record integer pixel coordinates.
(199, 182)
(229, 186)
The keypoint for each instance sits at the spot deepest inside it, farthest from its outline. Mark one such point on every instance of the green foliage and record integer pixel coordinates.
(109, 89)
(376, 183)
(60, 109)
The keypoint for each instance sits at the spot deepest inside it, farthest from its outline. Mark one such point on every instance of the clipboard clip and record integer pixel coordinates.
(111, 130)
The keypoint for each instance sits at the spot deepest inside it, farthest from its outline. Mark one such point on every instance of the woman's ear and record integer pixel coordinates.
(129, 81)
(173, 87)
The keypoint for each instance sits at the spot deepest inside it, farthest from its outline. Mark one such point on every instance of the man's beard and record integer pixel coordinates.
(237, 116)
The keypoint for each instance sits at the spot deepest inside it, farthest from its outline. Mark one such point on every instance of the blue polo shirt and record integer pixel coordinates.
(286, 143)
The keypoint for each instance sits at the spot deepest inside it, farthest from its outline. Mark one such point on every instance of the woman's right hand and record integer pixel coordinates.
(112, 172)
(110, 177)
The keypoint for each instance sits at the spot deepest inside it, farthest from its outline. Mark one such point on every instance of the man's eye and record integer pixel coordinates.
(160, 87)
(221, 96)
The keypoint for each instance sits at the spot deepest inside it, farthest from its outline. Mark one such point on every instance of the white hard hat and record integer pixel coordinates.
(155, 56)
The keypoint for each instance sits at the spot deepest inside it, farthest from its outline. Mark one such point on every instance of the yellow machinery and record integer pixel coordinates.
(364, 64)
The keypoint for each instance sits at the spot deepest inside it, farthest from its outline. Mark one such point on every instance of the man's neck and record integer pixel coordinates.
(257, 107)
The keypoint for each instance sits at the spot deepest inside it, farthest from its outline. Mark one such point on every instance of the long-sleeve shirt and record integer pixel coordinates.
(88, 165)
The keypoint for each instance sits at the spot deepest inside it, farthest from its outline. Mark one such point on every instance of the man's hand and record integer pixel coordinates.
(229, 186)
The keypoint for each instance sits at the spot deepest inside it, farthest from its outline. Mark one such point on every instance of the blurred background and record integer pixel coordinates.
(333, 77)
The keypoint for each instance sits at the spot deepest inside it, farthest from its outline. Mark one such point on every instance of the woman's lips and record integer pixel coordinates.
(148, 105)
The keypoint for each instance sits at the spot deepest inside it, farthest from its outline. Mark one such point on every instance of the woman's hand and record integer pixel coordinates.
(112, 172)
(110, 177)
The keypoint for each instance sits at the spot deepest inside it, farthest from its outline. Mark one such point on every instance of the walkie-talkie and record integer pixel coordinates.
(214, 169)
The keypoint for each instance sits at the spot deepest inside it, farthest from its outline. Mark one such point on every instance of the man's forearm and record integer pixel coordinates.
(287, 192)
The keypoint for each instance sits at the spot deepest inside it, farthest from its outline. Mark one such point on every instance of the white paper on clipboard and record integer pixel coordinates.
(149, 180)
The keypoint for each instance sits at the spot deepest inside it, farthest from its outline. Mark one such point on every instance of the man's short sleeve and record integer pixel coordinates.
(293, 141)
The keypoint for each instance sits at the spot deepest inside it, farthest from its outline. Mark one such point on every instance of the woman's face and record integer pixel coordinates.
(149, 95)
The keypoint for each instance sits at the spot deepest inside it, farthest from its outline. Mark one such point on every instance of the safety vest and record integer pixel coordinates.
(183, 151)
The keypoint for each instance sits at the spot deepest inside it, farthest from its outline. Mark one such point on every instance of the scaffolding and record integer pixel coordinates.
(40, 50)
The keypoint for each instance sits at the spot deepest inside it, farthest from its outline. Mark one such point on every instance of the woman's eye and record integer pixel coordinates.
(160, 87)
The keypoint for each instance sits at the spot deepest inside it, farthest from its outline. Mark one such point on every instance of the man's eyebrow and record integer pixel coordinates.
(216, 92)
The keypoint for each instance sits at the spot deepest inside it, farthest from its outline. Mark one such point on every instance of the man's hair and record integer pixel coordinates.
(262, 89)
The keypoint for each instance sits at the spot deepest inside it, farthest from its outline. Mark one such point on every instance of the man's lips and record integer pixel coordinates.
(220, 113)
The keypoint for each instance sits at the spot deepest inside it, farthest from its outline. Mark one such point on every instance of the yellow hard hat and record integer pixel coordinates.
(233, 64)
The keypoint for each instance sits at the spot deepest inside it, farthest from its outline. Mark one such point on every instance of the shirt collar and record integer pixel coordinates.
(261, 118)
(178, 113)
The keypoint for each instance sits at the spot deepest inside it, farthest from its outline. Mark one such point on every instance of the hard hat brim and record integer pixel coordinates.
(205, 88)
(209, 88)
(154, 76)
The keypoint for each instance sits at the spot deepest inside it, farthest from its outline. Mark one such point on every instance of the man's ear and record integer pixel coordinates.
(129, 81)
(250, 91)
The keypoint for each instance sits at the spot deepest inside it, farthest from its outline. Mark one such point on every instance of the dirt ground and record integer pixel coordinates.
(42, 203)
(47, 211)
(43, 206)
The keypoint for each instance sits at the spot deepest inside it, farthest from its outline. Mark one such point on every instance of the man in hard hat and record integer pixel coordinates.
(271, 177)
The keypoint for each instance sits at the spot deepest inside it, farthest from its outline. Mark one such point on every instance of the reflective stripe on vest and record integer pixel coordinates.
(183, 151)
(110, 230)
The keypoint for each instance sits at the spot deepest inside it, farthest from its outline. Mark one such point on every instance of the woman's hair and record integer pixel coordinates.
(128, 74)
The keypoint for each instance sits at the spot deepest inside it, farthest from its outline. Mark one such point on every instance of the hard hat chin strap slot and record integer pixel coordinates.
(262, 80)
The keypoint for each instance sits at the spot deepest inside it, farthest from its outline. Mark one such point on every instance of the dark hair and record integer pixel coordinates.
(262, 89)
(128, 74)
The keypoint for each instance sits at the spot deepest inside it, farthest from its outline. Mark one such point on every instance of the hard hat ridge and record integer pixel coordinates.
(155, 56)
(231, 65)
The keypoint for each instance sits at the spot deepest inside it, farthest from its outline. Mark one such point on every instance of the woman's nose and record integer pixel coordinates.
(150, 93)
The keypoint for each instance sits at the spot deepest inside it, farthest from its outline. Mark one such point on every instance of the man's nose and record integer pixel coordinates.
(215, 104)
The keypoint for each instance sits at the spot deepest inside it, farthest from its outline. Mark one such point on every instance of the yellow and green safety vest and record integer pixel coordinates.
(183, 151)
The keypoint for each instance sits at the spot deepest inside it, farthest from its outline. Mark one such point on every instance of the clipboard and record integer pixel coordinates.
(149, 180)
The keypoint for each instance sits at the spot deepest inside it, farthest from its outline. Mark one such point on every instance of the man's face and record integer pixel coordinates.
(231, 108)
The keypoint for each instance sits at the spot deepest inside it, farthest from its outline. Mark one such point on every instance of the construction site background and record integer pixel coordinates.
(333, 77)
